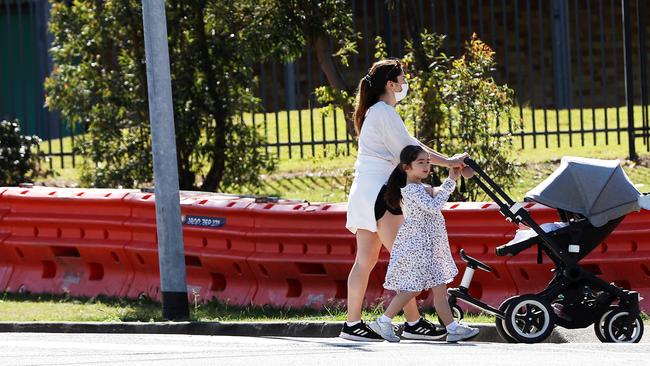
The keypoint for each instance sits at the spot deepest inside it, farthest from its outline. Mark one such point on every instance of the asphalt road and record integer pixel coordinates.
(139, 349)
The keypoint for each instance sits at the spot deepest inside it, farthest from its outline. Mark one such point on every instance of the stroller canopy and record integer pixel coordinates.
(598, 189)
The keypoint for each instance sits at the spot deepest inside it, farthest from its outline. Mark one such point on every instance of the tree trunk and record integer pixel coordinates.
(215, 174)
(411, 20)
(325, 58)
(184, 123)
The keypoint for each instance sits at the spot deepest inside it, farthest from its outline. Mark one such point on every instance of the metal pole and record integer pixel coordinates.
(168, 212)
(561, 55)
(629, 83)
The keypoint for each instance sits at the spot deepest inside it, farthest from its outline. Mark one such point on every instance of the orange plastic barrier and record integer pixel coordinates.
(215, 251)
(303, 253)
(67, 241)
(219, 227)
(142, 249)
(6, 265)
(91, 242)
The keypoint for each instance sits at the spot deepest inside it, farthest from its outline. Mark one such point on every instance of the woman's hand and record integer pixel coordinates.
(457, 161)
(467, 172)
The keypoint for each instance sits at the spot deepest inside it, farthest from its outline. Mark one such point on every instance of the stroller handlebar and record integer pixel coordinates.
(469, 161)
(491, 188)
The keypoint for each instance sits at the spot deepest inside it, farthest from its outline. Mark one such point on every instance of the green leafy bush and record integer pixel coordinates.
(19, 160)
(457, 106)
(99, 81)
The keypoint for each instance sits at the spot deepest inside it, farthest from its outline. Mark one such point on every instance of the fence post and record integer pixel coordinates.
(641, 17)
(629, 81)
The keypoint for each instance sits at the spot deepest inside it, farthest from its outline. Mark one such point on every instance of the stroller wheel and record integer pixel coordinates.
(618, 329)
(599, 326)
(501, 330)
(456, 312)
(529, 319)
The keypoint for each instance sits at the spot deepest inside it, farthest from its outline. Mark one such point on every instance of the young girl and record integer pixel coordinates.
(420, 258)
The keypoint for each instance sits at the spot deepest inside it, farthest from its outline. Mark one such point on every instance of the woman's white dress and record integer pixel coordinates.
(420, 258)
(382, 138)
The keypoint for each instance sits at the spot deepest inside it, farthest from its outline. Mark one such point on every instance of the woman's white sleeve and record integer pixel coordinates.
(434, 204)
(396, 137)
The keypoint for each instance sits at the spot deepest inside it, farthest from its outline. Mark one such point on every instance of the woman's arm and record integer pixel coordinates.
(437, 158)
(397, 138)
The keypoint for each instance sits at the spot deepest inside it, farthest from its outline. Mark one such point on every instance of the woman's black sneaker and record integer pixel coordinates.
(359, 332)
(424, 330)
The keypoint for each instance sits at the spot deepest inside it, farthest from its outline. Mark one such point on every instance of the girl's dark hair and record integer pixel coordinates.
(397, 179)
(372, 86)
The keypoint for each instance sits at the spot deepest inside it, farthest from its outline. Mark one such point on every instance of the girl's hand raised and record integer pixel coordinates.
(454, 173)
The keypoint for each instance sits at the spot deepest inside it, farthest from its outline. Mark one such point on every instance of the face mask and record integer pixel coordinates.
(400, 95)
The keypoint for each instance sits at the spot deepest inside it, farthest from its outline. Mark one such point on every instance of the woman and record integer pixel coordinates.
(382, 136)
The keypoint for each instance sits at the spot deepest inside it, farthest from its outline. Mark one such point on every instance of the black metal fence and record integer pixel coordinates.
(579, 69)
(565, 59)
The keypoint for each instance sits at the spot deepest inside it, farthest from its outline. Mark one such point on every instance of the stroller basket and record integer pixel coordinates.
(581, 235)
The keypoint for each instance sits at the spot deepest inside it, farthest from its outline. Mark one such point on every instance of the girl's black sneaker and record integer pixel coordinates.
(424, 330)
(359, 332)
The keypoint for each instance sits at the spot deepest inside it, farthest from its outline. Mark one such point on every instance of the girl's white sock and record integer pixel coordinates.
(452, 326)
(384, 319)
(352, 324)
(413, 323)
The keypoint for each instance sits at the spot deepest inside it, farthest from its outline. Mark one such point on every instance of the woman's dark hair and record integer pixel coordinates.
(372, 86)
(397, 179)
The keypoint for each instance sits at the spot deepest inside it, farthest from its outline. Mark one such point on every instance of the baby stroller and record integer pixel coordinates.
(592, 197)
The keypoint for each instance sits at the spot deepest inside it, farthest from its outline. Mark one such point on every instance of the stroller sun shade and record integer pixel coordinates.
(597, 189)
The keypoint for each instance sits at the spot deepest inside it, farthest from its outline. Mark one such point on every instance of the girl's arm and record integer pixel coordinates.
(434, 204)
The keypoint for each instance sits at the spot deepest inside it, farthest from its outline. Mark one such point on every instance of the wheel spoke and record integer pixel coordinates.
(531, 328)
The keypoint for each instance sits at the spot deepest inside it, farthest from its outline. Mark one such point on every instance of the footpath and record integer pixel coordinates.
(271, 329)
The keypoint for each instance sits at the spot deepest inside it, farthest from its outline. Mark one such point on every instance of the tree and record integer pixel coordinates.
(19, 160)
(99, 81)
(326, 26)
(457, 106)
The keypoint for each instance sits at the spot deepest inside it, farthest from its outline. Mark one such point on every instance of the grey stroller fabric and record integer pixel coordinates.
(597, 189)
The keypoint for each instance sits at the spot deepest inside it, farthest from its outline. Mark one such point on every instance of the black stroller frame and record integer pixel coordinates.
(574, 298)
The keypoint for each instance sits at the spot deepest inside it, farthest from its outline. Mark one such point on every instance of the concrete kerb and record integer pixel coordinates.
(487, 333)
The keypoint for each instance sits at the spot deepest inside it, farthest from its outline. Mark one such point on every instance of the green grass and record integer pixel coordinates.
(324, 174)
(284, 127)
(61, 308)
